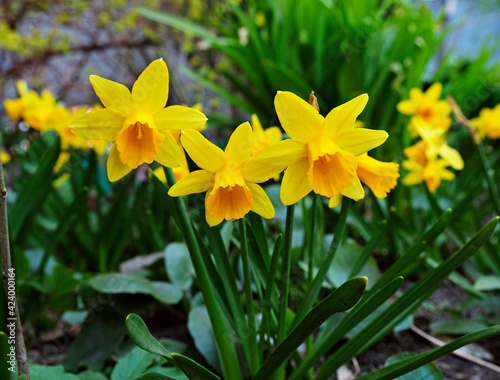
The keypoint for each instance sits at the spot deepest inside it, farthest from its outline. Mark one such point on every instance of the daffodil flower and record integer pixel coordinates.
(428, 107)
(421, 168)
(37, 111)
(322, 150)
(436, 144)
(229, 177)
(137, 121)
(488, 123)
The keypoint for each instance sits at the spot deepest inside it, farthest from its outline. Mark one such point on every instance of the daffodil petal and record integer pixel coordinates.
(170, 153)
(295, 185)
(434, 91)
(354, 190)
(407, 107)
(261, 203)
(195, 182)
(150, 91)
(335, 200)
(343, 117)
(239, 147)
(452, 155)
(256, 125)
(100, 124)
(116, 169)
(299, 119)
(179, 117)
(204, 154)
(360, 140)
(114, 96)
(416, 94)
(273, 160)
(211, 220)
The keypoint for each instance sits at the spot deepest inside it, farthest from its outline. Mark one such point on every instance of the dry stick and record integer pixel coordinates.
(463, 120)
(22, 358)
(458, 353)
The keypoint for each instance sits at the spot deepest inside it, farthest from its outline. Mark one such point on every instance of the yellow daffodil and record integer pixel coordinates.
(229, 177)
(4, 157)
(137, 121)
(380, 177)
(179, 172)
(488, 123)
(436, 144)
(36, 110)
(432, 170)
(263, 139)
(322, 150)
(427, 106)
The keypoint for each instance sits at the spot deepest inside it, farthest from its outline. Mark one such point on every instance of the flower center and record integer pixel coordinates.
(138, 143)
(230, 202)
(427, 114)
(331, 169)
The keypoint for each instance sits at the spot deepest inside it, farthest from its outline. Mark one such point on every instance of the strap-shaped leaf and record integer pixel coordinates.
(192, 369)
(327, 340)
(397, 369)
(341, 299)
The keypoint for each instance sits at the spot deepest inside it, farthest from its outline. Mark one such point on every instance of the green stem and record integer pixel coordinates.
(285, 284)
(247, 283)
(8, 276)
(490, 178)
(312, 239)
(222, 334)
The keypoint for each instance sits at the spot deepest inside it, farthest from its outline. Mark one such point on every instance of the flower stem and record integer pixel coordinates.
(254, 357)
(222, 334)
(7, 270)
(285, 284)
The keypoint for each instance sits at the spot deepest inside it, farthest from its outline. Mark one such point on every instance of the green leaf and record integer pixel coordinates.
(139, 333)
(201, 330)
(132, 365)
(169, 372)
(178, 265)
(394, 370)
(341, 299)
(406, 304)
(153, 376)
(33, 193)
(41, 372)
(427, 372)
(456, 327)
(98, 337)
(91, 375)
(193, 370)
(61, 282)
(487, 283)
(117, 283)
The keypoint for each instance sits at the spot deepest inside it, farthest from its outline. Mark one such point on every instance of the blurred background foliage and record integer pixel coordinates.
(232, 56)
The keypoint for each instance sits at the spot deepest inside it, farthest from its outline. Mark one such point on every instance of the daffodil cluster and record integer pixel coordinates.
(327, 155)
(429, 159)
(43, 113)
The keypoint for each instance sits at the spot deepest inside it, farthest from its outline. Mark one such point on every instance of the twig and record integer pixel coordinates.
(463, 120)
(458, 353)
(22, 358)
